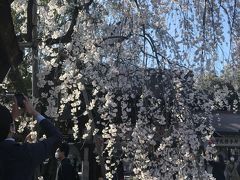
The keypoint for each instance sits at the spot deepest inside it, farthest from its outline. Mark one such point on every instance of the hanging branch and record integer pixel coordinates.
(204, 32)
(232, 24)
(212, 16)
(68, 36)
(153, 47)
(136, 2)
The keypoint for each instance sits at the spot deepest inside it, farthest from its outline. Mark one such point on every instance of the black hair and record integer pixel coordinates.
(5, 122)
(220, 157)
(64, 147)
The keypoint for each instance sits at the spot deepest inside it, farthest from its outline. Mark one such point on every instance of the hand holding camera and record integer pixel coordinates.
(22, 101)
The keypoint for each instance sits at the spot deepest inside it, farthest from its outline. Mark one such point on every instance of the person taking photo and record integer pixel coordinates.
(18, 161)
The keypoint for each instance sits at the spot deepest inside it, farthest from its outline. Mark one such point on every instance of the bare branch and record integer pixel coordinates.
(154, 49)
(120, 38)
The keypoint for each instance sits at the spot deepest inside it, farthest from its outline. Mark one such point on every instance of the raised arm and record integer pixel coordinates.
(39, 151)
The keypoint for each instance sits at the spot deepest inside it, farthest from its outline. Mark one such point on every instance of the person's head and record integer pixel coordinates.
(62, 151)
(220, 157)
(216, 158)
(232, 159)
(7, 126)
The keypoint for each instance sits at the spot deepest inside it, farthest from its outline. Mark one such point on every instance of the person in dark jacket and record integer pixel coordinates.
(65, 170)
(218, 167)
(18, 161)
(231, 170)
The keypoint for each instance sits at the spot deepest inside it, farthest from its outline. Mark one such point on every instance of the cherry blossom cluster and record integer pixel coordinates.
(128, 68)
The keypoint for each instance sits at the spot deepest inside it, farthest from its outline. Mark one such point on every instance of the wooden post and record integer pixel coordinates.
(85, 165)
(35, 67)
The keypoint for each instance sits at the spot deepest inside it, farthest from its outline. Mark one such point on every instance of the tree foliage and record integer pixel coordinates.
(127, 67)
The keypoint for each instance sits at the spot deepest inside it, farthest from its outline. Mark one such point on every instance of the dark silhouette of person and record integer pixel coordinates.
(218, 167)
(65, 170)
(19, 161)
(120, 172)
(231, 170)
(49, 167)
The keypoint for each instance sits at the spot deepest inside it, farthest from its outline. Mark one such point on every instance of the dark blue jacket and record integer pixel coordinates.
(18, 161)
(218, 169)
(66, 171)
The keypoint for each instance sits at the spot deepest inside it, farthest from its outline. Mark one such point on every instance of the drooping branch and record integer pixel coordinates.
(153, 47)
(211, 4)
(136, 2)
(119, 38)
(204, 32)
(68, 36)
(233, 21)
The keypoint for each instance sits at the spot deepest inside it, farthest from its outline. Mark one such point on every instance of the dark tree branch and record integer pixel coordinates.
(144, 46)
(68, 36)
(204, 32)
(212, 16)
(29, 21)
(17, 80)
(233, 22)
(119, 38)
(21, 37)
(154, 49)
(136, 2)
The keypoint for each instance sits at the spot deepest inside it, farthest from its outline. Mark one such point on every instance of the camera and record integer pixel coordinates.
(20, 98)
